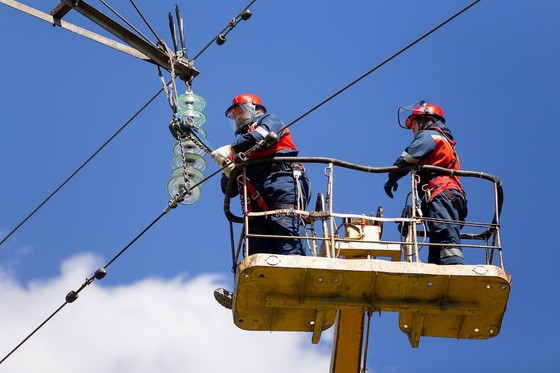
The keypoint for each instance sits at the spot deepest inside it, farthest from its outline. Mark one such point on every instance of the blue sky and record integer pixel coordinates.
(493, 70)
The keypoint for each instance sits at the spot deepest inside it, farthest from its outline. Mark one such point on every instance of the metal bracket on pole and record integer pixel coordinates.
(136, 47)
(60, 10)
(183, 69)
(54, 20)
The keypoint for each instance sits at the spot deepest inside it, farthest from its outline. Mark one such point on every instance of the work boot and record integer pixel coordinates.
(224, 297)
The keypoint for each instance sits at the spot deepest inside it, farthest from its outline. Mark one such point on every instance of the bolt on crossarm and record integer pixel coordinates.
(183, 69)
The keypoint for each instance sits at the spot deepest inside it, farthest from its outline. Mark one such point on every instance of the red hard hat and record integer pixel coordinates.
(245, 98)
(425, 109)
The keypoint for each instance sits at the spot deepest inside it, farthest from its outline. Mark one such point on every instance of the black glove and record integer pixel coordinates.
(389, 184)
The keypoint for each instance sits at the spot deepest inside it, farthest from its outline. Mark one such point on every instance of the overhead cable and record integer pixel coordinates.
(383, 63)
(220, 38)
(100, 273)
(73, 295)
(80, 168)
(31, 334)
(146, 22)
(128, 23)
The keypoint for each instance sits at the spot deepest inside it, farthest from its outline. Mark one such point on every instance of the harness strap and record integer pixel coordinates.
(296, 168)
(438, 184)
(451, 142)
(253, 193)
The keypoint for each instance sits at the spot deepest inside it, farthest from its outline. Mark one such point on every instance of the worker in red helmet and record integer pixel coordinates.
(442, 196)
(277, 185)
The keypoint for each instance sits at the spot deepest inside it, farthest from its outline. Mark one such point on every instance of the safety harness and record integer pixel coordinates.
(254, 195)
(441, 183)
(284, 143)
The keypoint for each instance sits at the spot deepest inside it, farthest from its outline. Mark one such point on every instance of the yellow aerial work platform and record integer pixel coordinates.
(294, 293)
(352, 272)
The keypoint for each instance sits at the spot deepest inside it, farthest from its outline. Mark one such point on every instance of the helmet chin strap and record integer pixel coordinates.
(244, 129)
(426, 125)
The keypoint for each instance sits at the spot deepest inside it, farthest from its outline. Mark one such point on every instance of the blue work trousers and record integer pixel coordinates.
(280, 191)
(448, 205)
(281, 225)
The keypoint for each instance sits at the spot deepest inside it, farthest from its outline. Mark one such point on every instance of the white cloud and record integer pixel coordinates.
(153, 325)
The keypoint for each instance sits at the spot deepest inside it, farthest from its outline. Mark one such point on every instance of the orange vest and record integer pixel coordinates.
(444, 155)
(285, 142)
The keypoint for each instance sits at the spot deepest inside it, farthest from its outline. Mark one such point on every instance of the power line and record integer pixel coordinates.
(383, 63)
(33, 332)
(145, 21)
(73, 295)
(79, 168)
(101, 272)
(110, 139)
(128, 23)
(229, 27)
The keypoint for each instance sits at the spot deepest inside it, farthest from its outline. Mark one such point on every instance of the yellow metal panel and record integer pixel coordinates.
(258, 281)
(488, 294)
(289, 292)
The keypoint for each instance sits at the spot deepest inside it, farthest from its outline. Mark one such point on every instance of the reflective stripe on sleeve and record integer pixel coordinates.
(408, 158)
(262, 131)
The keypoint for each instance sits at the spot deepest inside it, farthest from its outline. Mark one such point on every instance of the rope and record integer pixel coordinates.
(171, 96)
(168, 93)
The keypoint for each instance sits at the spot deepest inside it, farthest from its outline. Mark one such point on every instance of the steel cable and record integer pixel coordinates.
(173, 202)
(224, 29)
(383, 63)
(128, 23)
(79, 168)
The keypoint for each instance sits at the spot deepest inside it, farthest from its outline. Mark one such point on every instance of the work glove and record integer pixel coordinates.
(228, 169)
(389, 184)
(222, 155)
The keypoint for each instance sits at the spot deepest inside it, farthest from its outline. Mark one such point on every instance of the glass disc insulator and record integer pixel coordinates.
(176, 184)
(193, 117)
(189, 147)
(191, 100)
(194, 175)
(191, 159)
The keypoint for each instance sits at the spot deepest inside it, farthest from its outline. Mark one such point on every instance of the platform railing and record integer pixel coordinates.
(331, 222)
